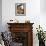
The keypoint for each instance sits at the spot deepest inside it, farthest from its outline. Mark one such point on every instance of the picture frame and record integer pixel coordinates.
(20, 9)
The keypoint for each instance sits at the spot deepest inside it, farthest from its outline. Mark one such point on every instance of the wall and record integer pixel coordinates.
(0, 15)
(43, 14)
(43, 6)
(33, 13)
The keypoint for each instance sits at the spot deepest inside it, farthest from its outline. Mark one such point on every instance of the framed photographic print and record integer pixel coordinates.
(20, 9)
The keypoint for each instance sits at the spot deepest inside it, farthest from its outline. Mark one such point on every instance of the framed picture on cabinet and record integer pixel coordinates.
(20, 9)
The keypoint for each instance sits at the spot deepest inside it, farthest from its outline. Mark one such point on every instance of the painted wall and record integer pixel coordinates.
(43, 6)
(33, 13)
(43, 14)
(0, 15)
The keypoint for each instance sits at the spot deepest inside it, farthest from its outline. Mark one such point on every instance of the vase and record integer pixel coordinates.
(41, 43)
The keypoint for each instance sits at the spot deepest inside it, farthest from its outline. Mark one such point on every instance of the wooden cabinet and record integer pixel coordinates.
(22, 33)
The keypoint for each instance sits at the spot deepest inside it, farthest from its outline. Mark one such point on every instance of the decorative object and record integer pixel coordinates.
(41, 36)
(27, 21)
(20, 9)
(13, 21)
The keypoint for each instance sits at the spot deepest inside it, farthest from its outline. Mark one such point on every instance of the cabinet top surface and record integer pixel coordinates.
(19, 23)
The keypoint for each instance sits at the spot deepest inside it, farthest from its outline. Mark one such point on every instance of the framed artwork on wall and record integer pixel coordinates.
(20, 9)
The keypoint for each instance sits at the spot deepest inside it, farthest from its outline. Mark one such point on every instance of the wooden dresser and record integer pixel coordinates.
(22, 33)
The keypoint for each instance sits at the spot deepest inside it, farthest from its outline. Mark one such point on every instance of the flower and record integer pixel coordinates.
(40, 33)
